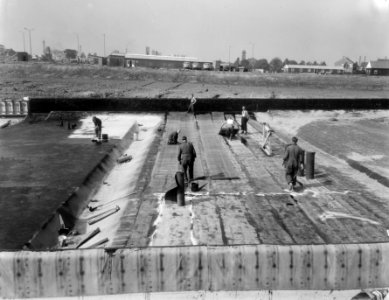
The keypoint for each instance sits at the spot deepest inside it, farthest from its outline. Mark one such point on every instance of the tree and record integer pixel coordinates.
(323, 63)
(286, 62)
(262, 64)
(47, 56)
(315, 63)
(237, 62)
(293, 62)
(70, 53)
(245, 63)
(302, 63)
(275, 65)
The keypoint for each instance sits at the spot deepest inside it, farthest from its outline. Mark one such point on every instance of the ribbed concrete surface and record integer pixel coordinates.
(234, 268)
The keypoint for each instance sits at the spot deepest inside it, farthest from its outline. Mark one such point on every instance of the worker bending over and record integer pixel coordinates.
(173, 137)
(293, 159)
(229, 128)
(186, 157)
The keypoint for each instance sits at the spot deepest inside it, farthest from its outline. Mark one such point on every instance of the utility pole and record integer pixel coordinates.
(29, 34)
(24, 40)
(78, 45)
(229, 58)
(104, 43)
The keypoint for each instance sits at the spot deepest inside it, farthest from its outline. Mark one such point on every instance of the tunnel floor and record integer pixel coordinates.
(243, 196)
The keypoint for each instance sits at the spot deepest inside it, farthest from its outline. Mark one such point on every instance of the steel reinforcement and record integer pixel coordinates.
(194, 268)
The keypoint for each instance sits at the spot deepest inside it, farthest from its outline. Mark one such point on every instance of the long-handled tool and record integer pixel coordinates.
(265, 145)
(103, 215)
(91, 235)
(93, 208)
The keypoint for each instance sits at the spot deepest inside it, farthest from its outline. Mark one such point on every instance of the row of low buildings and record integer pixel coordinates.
(343, 66)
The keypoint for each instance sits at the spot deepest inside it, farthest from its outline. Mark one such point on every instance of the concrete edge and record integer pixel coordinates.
(47, 236)
(92, 272)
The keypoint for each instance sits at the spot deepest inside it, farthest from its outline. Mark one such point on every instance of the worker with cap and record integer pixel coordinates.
(98, 126)
(173, 137)
(186, 157)
(293, 159)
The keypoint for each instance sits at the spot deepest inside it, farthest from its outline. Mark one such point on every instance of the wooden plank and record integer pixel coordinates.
(269, 230)
(294, 219)
(206, 222)
(236, 228)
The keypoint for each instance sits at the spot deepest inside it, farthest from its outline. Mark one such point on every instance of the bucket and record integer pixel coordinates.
(301, 170)
(194, 187)
(104, 137)
(2, 108)
(17, 107)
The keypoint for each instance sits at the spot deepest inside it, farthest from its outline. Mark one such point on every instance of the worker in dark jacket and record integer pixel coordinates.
(293, 159)
(173, 137)
(186, 157)
(98, 126)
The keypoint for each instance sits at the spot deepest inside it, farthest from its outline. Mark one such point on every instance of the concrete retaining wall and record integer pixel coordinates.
(45, 105)
(167, 269)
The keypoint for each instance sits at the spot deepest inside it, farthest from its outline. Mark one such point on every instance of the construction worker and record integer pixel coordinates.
(229, 128)
(186, 157)
(173, 137)
(293, 159)
(244, 120)
(98, 126)
(193, 100)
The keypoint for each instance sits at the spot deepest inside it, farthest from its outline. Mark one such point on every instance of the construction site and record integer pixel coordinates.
(85, 219)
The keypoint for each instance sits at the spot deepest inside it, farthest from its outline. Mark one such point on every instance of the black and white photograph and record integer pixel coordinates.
(194, 149)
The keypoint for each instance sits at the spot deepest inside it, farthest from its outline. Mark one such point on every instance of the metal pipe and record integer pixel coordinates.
(180, 189)
(310, 165)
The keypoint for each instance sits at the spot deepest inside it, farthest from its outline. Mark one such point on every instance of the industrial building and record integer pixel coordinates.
(378, 67)
(156, 61)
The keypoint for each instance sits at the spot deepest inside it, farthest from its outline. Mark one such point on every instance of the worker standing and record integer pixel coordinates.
(293, 159)
(173, 137)
(98, 126)
(186, 157)
(193, 101)
(244, 120)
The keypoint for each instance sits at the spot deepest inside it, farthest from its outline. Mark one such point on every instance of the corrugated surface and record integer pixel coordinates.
(246, 267)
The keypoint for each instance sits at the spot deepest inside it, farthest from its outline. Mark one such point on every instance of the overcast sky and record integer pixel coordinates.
(321, 30)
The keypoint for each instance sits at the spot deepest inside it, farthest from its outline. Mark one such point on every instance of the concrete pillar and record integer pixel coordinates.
(9, 107)
(309, 165)
(16, 107)
(2, 107)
